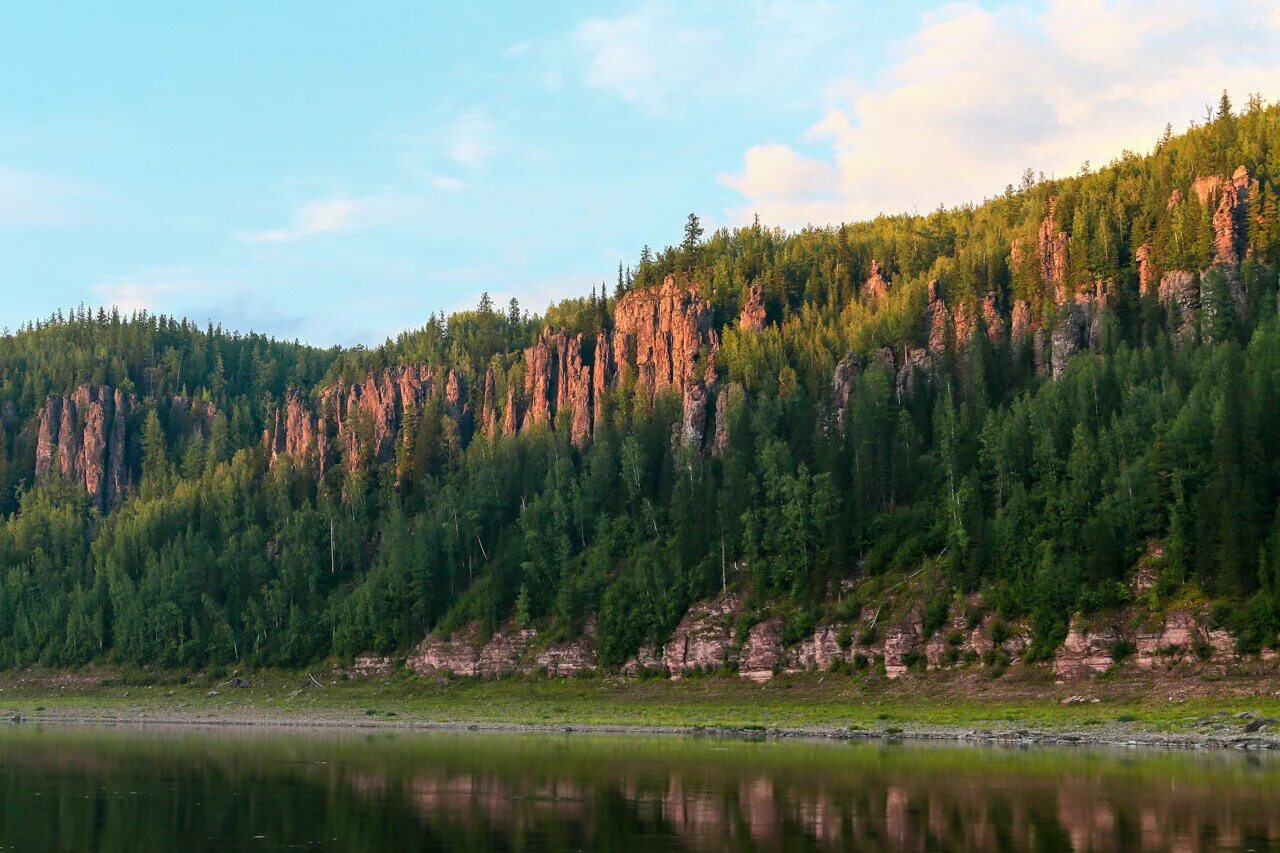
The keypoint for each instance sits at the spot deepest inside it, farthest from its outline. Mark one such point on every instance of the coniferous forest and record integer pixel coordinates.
(1017, 398)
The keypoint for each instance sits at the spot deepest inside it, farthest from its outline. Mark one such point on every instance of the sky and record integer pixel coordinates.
(336, 172)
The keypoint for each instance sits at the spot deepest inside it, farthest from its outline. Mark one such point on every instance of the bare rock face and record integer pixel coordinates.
(899, 645)
(727, 397)
(1040, 351)
(752, 316)
(368, 666)
(703, 637)
(917, 364)
(1052, 248)
(119, 473)
(1229, 219)
(1206, 189)
(646, 660)
(661, 331)
(843, 382)
(569, 659)
(458, 655)
(511, 413)
(455, 396)
(993, 319)
(294, 433)
(557, 379)
(819, 652)
(602, 371)
(47, 442)
(1086, 652)
(877, 284)
(504, 651)
(489, 410)
(1069, 336)
(937, 320)
(965, 325)
(1019, 328)
(762, 655)
(366, 416)
(1180, 292)
(85, 436)
(693, 425)
(1146, 271)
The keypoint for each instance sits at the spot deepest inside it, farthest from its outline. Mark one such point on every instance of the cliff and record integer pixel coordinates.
(663, 338)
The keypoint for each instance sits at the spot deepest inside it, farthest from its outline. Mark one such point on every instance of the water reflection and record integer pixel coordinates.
(162, 789)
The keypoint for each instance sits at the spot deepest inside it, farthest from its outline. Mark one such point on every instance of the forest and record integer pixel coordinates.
(1035, 479)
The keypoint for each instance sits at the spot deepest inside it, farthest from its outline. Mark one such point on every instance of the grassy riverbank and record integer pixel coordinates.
(942, 703)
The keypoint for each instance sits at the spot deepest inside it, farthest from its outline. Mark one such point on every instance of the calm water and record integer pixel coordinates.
(71, 788)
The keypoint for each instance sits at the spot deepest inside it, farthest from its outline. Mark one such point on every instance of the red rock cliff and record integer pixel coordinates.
(86, 436)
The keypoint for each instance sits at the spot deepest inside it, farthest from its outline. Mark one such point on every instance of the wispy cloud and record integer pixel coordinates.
(338, 215)
(977, 95)
(147, 292)
(640, 56)
(447, 183)
(33, 198)
(661, 54)
(471, 138)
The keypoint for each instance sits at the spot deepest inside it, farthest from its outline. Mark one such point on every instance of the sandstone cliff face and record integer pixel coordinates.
(557, 380)
(660, 332)
(1146, 272)
(752, 316)
(512, 650)
(663, 336)
(87, 436)
(1179, 290)
(358, 424)
(703, 638)
(1052, 253)
(877, 284)
(1180, 293)
(762, 654)
(489, 406)
(1181, 639)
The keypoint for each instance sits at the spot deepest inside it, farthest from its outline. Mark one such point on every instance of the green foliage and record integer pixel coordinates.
(1039, 494)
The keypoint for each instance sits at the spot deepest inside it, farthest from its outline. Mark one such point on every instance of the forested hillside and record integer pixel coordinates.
(1012, 401)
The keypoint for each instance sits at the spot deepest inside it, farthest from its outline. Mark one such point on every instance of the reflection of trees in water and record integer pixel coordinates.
(116, 793)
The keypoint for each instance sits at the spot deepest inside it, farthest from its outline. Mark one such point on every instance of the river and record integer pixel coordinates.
(80, 788)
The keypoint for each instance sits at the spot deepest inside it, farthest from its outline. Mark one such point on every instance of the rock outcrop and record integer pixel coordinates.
(663, 336)
(1179, 292)
(557, 379)
(88, 436)
(1051, 247)
(752, 316)
(877, 284)
(508, 651)
(762, 654)
(703, 638)
(1146, 270)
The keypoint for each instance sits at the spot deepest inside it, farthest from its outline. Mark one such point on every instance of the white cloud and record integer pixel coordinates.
(338, 215)
(640, 56)
(471, 140)
(447, 183)
(663, 55)
(977, 95)
(146, 292)
(31, 198)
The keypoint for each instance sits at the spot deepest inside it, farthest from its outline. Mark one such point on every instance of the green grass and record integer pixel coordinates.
(791, 702)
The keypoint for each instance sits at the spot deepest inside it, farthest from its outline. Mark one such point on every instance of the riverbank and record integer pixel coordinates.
(1029, 707)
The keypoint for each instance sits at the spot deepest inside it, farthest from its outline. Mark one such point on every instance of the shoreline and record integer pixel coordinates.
(1023, 709)
(1113, 736)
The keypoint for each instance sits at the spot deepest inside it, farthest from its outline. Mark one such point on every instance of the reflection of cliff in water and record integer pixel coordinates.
(87, 789)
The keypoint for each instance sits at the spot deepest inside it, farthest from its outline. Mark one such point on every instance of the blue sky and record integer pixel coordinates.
(335, 172)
